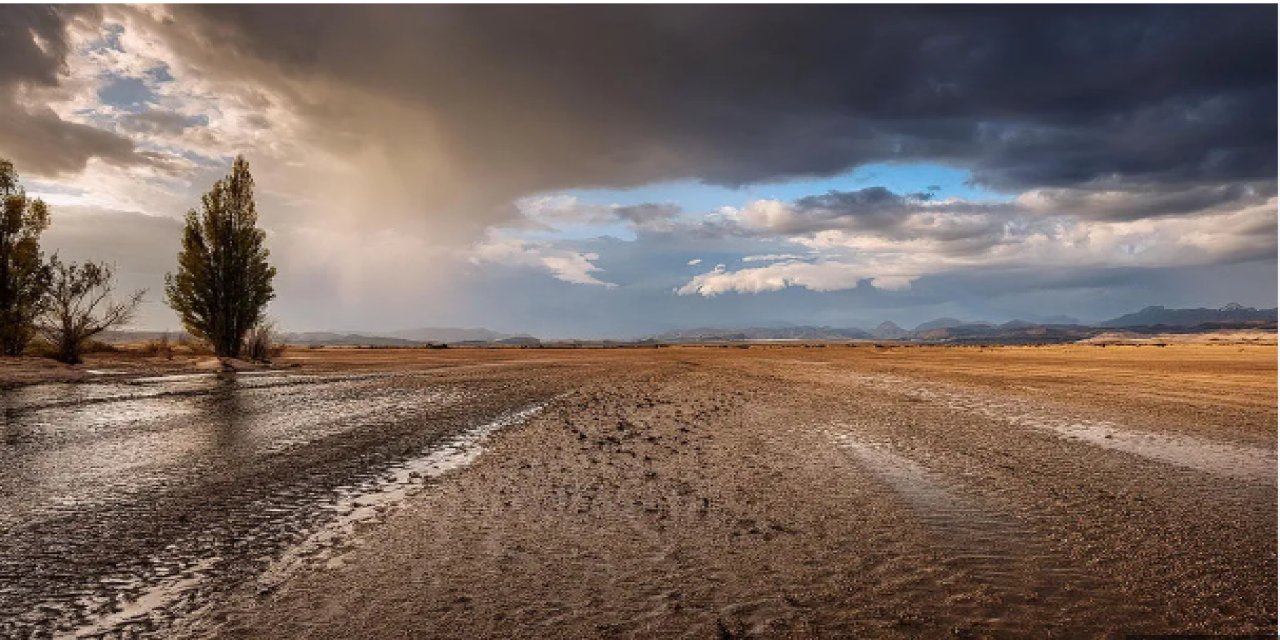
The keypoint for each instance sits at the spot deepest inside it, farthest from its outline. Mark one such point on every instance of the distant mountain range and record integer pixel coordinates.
(942, 323)
(712, 334)
(1161, 316)
(346, 339)
(448, 334)
(408, 337)
(1048, 329)
(887, 330)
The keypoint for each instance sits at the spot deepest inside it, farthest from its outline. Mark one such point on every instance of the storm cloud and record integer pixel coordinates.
(1128, 137)
(554, 97)
(521, 100)
(33, 49)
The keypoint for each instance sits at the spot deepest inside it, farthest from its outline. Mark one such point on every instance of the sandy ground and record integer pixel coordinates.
(820, 492)
(1232, 336)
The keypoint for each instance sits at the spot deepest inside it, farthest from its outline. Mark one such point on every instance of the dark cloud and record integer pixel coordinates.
(42, 143)
(520, 100)
(539, 98)
(646, 213)
(881, 211)
(33, 50)
(899, 216)
(32, 44)
(1133, 202)
(874, 208)
(435, 119)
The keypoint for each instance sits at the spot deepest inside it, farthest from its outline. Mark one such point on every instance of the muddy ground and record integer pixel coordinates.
(677, 492)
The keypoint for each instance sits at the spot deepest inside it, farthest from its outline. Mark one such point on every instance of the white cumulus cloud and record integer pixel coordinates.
(563, 264)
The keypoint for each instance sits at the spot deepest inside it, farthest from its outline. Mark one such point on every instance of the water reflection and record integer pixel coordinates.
(112, 489)
(15, 470)
(67, 446)
(228, 424)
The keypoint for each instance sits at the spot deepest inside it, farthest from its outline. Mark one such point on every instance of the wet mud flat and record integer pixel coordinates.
(682, 492)
(831, 492)
(128, 503)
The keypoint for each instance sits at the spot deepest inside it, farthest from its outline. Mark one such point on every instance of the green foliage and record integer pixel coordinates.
(23, 274)
(223, 283)
(79, 306)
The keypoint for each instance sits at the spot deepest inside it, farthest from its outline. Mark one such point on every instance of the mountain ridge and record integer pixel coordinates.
(1159, 315)
(1155, 318)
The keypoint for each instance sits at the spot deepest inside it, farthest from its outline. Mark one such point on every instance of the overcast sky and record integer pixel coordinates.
(617, 171)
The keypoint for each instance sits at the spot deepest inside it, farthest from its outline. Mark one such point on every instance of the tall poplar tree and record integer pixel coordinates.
(223, 283)
(24, 276)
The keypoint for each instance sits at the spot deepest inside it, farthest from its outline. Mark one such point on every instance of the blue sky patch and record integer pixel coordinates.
(126, 94)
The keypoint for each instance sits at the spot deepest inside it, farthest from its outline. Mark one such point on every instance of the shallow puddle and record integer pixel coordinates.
(116, 442)
(123, 501)
(354, 505)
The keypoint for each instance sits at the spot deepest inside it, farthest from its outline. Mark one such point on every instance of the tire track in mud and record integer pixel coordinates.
(995, 574)
(1155, 545)
(1235, 461)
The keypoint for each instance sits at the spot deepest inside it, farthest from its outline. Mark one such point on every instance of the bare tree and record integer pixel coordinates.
(79, 305)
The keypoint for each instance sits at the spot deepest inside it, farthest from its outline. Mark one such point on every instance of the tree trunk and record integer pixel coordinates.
(69, 351)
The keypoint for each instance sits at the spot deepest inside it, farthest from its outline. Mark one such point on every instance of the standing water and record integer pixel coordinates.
(124, 503)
